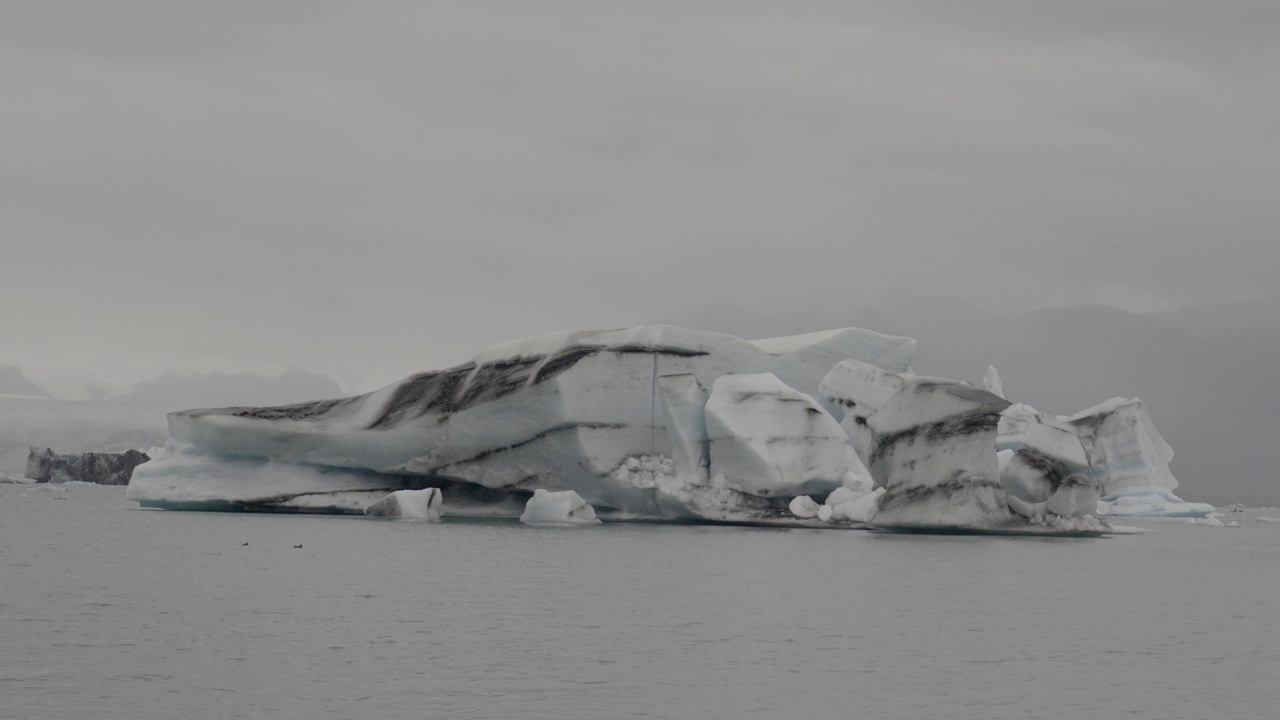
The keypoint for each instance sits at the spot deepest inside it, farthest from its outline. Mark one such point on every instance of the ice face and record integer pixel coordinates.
(770, 440)
(1127, 453)
(682, 402)
(558, 508)
(934, 453)
(854, 390)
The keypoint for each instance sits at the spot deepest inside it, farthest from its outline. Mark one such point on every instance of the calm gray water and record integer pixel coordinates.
(107, 611)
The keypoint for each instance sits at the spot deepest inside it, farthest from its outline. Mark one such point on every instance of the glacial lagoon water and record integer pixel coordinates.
(110, 611)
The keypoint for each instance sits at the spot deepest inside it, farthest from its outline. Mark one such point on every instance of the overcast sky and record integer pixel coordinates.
(370, 189)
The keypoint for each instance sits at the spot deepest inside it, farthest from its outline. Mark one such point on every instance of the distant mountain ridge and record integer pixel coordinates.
(1210, 374)
(14, 382)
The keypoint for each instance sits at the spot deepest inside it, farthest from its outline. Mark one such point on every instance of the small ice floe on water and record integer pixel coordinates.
(1264, 518)
(1233, 523)
(414, 504)
(1213, 519)
(558, 508)
(803, 506)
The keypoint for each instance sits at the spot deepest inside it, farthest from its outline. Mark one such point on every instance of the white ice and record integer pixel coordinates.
(770, 440)
(803, 506)
(558, 508)
(992, 383)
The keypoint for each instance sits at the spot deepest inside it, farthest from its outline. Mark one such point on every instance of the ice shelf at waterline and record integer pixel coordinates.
(666, 423)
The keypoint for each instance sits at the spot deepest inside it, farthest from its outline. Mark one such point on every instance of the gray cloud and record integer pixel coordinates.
(371, 190)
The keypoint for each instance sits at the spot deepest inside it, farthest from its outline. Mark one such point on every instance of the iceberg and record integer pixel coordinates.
(572, 411)
(665, 423)
(558, 508)
(1129, 460)
(99, 468)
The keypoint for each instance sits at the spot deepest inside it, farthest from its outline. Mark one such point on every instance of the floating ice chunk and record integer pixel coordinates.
(825, 513)
(1233, 523)
(934, 453)
(771, 440)
(417, 504)
(991, 382)
(803, 506)
(1264, 518)
(558, 508)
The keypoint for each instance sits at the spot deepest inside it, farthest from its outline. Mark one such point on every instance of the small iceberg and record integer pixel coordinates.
(558, 508)
(414, 504)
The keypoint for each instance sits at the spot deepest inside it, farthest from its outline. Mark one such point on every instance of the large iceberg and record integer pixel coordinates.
(569, 411)
(661, 422)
